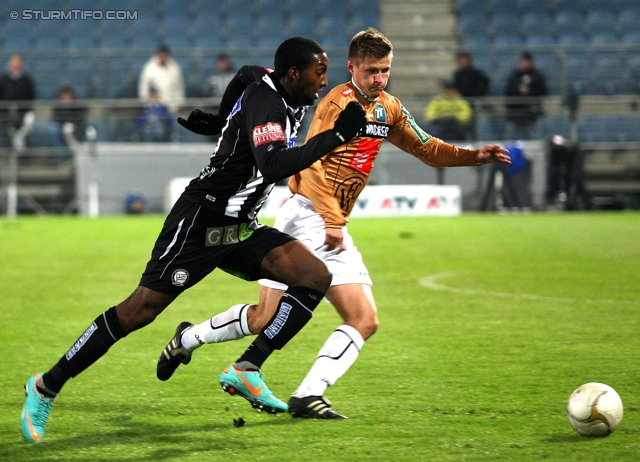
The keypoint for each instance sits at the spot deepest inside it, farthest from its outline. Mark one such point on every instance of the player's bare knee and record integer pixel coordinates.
(319, 279)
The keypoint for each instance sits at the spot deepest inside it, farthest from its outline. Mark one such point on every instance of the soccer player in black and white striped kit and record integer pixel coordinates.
(214, 225)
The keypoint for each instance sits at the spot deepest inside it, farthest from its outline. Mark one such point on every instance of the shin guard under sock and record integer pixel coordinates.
(294, 311)
(103, 332)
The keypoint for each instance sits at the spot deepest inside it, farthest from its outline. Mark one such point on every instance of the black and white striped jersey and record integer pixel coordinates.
(255, 150)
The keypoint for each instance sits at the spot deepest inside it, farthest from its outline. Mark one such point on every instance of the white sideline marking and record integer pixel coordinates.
(431, 282)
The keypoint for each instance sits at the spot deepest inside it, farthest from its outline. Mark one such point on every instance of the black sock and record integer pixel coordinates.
(91, 346)
(294, 311)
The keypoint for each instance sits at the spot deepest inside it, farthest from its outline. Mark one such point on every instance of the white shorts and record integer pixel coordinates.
(298, 218)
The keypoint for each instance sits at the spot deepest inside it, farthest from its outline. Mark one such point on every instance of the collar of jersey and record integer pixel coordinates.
(368, 98)
(277, 86)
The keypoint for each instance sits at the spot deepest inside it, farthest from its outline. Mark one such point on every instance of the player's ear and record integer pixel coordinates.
(294, 74)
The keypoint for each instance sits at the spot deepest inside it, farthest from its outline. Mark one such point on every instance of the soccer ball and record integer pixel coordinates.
(594, 409)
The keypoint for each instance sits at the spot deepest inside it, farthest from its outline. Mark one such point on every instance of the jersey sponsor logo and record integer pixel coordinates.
(268, 133)
(375, 130)
(362, 159)
(179, 277)
(347, 91)
(380, 113)
(278, 323)
(81, 341)
(414, 126)
(225, 235)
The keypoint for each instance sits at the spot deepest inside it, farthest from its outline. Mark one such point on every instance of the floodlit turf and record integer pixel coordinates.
(488, 323)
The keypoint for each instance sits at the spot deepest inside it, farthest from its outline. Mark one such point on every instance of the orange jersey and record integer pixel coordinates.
(334, 182)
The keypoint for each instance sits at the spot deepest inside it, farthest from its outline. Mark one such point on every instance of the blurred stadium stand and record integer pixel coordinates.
(588, 47)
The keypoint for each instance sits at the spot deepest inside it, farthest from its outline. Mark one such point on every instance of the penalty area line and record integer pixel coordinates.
(432, 282)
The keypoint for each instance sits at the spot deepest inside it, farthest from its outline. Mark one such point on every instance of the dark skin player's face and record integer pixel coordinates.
(308, 83)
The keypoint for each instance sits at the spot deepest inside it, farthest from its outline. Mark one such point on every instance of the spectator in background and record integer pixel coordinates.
(449, 115)
(165, 75)
(468, 80)
(525, 81)
(16, 90)
(68, 117)
(155, 122)
(217, 83)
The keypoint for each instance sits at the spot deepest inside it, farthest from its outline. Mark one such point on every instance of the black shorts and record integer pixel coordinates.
(194, 241)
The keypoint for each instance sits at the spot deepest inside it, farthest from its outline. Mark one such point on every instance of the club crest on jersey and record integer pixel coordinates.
(268, 133)
(380, 113)
(179, 277)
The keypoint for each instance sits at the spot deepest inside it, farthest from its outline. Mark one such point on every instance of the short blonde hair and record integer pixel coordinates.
(369, 43)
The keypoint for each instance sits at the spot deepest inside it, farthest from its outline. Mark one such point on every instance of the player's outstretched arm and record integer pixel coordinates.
(493, 153)
(281, 161)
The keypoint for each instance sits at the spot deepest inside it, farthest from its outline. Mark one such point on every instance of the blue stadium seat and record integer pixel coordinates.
(208, 23)
(239, 23)
(265, 6)
(505, 23)
(568, 21)
(78, 42)
(566, 5)
(475, 24)
(470, 6)
(361, 20)
(629, 20)
(480, 41)
(207, 41)
(604, 38)
(632, 37)
(623, 127)
(270, 30)
(592, 129)
(115, 34)
(49, 42)
(143, 41)
(177, 21)
(327, 26)
(301, 22)
(235, 40)
(600, 20)
(572, 38)
(333, 8)
(535, 40)
(502, 6)
(537, 22)
(508, 40)
(532, 5)
(176, 39)
(557, 125)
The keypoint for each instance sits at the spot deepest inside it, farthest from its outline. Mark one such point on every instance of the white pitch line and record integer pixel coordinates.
(430, 282)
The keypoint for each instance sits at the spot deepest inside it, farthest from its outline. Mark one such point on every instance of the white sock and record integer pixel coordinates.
(230, 325)
(336, 356)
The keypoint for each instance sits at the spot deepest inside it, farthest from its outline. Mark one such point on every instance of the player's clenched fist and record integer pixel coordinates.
(350, 121)
(202, 123)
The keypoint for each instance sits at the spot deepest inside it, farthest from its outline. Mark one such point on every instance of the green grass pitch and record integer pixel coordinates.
(488, 323)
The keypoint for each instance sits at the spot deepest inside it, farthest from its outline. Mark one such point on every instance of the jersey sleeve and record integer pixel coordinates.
(266, 125)
(407, 135)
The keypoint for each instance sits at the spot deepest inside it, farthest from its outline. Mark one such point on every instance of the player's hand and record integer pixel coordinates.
(202, 123)
(334, 239)
(350, 121)
(493, 153)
